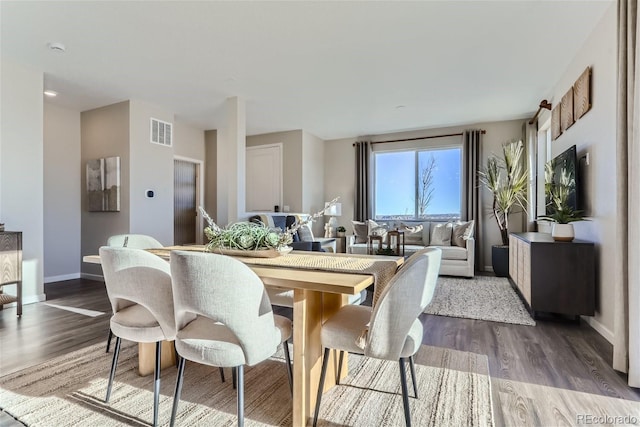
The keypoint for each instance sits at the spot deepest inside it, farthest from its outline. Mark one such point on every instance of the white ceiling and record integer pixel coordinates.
(335, 69)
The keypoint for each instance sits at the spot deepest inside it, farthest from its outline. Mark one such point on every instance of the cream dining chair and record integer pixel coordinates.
(139, 288)
(133, 241)
(223, 318)
(394, 331)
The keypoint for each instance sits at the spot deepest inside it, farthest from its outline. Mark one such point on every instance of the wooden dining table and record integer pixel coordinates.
(316, 296)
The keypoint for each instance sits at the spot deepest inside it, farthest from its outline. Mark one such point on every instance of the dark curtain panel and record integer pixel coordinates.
(471, 205)
(362, 204)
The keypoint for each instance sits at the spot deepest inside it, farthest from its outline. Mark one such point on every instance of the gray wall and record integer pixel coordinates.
(150, 168)
(210, 176)
(313, 178)
(21, 169)
(188, 141)
(62, 193)
(104, 133)
(292, 164)
(339, 161)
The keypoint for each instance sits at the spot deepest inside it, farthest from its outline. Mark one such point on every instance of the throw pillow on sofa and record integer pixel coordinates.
(360, 231)
(462, 231)
(414, 233)
(375, 229)
(441, 234)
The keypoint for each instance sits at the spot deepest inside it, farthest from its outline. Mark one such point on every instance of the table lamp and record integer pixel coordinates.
(332, 211)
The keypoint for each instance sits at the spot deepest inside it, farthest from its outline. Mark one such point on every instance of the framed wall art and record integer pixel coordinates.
(556, 131)
(566, 112)
(582, 94)
(103, 185)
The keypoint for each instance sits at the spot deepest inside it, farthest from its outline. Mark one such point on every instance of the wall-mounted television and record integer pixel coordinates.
(562, 170)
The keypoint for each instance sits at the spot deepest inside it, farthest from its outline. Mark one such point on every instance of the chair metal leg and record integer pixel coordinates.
(221, 374)
(323, 374)
(178, 390)
(109, 340)
(405, 392)
(339, 367)
(156, 383)
(240, 373)
(287, 356)
(114, 363)
(414, 379)
(233, 377)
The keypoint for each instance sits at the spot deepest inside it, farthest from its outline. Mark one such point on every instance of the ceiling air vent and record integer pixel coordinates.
(161, 132)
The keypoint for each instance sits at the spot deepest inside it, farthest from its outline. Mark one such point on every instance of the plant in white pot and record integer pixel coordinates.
(506, 177)
(562, 214)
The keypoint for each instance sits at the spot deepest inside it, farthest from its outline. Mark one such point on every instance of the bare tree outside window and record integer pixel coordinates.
(426, 188)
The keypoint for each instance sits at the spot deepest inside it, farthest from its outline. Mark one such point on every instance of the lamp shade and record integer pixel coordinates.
(333, 210)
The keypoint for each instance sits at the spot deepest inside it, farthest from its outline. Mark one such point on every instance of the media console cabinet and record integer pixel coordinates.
(554, 277)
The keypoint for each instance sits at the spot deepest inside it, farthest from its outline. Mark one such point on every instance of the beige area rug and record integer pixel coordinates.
(454, 389)
(482, 297)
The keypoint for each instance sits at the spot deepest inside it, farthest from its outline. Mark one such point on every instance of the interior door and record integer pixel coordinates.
(184, 202)
(264, 178)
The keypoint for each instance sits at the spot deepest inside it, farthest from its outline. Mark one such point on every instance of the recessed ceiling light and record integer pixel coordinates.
(57, 47)
(50, 93)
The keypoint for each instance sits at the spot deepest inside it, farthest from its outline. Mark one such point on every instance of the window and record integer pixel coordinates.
(418, 184)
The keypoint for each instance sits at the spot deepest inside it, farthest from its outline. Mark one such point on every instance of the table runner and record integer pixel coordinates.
(381, 270)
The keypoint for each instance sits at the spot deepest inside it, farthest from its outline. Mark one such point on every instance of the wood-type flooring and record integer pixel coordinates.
(555, 373)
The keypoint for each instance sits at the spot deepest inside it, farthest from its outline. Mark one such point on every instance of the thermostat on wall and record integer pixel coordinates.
(149, 194)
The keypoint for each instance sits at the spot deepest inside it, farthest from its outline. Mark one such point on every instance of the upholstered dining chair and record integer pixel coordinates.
(223, 318)
(393, 330)
(139, 289)
(134, 241)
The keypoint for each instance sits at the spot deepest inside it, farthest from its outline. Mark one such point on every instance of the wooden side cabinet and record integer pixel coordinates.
(554, 277)
(11, 266)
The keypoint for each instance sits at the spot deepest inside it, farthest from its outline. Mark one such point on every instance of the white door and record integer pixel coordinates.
(264, 178)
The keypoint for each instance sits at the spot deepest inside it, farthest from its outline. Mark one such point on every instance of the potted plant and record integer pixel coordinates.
(341, 231)
(506, 177)
(562, 214)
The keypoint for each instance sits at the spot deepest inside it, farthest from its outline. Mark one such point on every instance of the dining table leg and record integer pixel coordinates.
(147, 357)
(310, 309)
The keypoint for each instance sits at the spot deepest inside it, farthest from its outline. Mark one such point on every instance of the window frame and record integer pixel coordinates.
(417, 148)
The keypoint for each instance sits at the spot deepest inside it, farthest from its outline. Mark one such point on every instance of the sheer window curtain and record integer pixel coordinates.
(471, 203)
(362, 207)
(626, 347)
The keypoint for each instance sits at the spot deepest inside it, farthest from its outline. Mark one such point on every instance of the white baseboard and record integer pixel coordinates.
(599, 327)
(61, 278)
(31, 299)
(88, 276)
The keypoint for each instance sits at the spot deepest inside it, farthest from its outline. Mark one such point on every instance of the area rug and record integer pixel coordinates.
(454, 389)
(482, 297)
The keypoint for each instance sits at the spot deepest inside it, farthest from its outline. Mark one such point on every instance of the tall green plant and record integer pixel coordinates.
(506, 177)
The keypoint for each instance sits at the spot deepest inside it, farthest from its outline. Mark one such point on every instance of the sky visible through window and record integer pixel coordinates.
(395, 183)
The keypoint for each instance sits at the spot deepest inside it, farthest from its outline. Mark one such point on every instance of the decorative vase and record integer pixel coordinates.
(562, 232)
(341, 233)
(500, 260)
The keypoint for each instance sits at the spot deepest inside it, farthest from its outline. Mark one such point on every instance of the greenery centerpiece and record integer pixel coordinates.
(250, 236)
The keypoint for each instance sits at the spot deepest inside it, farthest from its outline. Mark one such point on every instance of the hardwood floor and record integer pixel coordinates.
(544, 375)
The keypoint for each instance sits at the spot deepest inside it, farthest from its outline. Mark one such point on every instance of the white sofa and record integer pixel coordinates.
(456, 260)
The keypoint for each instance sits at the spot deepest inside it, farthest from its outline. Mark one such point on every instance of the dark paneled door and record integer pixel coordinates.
(184, 202)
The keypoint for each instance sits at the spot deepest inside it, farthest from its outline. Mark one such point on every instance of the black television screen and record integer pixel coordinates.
(561, 174)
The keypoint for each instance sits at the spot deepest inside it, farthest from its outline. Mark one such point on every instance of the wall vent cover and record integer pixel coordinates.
(161, 132)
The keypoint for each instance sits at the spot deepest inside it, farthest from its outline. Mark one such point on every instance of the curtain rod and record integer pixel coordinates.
(423, 137)
(543, 104)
